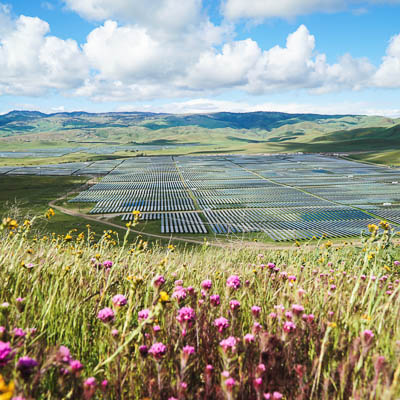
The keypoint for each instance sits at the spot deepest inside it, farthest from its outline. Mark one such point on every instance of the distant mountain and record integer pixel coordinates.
(255, 131)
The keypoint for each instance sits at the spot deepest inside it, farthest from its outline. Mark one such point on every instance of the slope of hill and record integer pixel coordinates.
(223, 131)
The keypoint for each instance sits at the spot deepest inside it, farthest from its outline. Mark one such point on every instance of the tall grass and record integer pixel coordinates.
(325, 325)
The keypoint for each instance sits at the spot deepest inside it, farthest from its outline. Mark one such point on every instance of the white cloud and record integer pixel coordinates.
(167, 16)
(32, 62)
(260, 9)
(388, 74)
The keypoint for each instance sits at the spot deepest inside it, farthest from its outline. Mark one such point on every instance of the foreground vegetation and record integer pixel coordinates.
(116, 319)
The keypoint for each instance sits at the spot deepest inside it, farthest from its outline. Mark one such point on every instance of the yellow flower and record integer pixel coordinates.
(67, 237)
(387, 268)
(6, 391)
(332, 324)
(50, 213)
(171, 247)
(384, 225)
(163, 297)
(27, 223)
(129, 224)
(10, 223)
(372, 228)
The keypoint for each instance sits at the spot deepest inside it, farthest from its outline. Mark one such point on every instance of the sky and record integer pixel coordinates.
(183, 56)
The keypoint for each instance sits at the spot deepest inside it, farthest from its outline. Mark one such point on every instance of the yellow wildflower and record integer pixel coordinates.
(164, 297)
(6, 391)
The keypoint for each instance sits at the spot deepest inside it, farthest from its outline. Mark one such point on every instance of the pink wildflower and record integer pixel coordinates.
(255, 310)
(107, 264)
(106, 315)
(229, 343)
(188, 350)
(6, 353)
(143, 314)
(234, 305)
(180, 293)
(158, 350)
(289, 326)
(206, 284)
(368, 335)
(215, 300)
(297, 309)
(159, 281)
(221, 323)
(233, 282)
(119, 300)
(249, 338)
(230, 383)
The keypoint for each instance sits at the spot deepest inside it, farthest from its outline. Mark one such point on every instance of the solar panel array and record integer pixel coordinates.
(286, 196)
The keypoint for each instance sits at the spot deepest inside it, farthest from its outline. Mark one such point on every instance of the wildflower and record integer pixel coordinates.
(119, 300)
(249, 338)
(89, 388)
(6, 391)
(180, 293)
(289, 326)
(257, 327)
(234, 305)
(297, 309)
(188, 350)
(107, 264)
(114, 332)
(6, 353)
(261, 368)
(257, 382)
(19, 333)
(143, 350)
(76, 366)
(289, 315)
(215, 300)
(104, 385)
(221, 323)
(367, 336)
(158, 350)
(230, 383)
(179, 282)
(106, 315)
(164, 297)
(209, 369)
(273, 315)
(143, 314)
(229, 343)
(63, 354)
(271, 265)
(25, 366)
(233, 282)
(292, 278)
(206, 284)
(301, 292)
(159, 281)
(156, 328)
(255, 310)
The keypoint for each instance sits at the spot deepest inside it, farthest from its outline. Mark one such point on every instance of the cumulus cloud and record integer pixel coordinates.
(166, 16)
(260, 9)
(31, 61)
(388, 74)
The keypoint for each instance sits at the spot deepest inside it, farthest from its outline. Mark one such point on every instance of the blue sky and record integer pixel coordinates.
(324, 56)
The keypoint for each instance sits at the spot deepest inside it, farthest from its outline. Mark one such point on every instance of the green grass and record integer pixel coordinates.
(30, 195)
(391, 158)
(64, 286)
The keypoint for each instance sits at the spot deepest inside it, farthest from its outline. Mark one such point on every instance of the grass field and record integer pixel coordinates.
(87, 319)
(28, 196)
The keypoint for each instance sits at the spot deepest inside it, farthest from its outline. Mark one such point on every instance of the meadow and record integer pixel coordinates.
(114, 317)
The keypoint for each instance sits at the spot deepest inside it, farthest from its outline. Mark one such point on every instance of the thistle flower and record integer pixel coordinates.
(19, 333)
(106, 315)
(230, 383)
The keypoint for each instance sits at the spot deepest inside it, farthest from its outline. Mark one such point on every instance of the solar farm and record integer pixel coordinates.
(286, 197)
